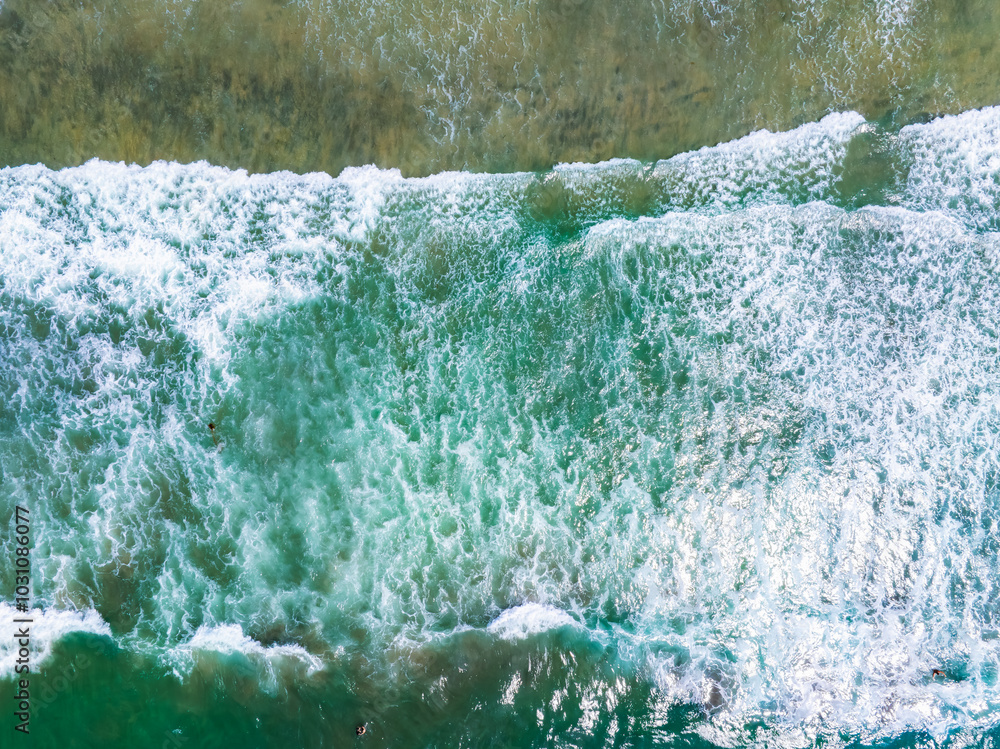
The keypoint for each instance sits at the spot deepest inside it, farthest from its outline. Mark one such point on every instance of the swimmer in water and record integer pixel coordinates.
(215, 437)
(360, 730)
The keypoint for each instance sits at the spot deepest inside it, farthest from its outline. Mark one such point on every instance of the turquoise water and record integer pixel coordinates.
(694, 452)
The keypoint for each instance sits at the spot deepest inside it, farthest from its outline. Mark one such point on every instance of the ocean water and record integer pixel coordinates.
(596, 375)
(694, 452)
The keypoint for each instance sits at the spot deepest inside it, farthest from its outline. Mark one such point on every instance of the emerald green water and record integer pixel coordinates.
(603, 440)
(692, 452)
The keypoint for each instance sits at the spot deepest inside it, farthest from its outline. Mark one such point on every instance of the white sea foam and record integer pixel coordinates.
(179, 236)
(792, 166)
(593, 172)
(47, 626)
(529, 619)
(825, 592)
(954, 165)
(774, 475)
(229, 638)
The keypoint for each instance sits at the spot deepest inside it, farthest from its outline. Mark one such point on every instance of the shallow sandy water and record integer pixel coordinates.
(487, 86)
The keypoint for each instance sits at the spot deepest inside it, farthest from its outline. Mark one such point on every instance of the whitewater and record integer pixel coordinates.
(710, 441)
